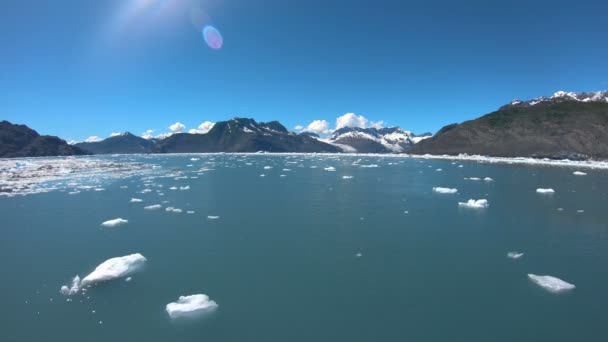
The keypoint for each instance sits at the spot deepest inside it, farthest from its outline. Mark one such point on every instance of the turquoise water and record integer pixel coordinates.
(312, 256)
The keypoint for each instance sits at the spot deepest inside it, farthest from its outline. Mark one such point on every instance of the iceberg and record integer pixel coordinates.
(550, 283)
(441, 190)
(579, 173)
(187, 306)
(474, 204)
(114, 223)
(515, 255)
(545, 191)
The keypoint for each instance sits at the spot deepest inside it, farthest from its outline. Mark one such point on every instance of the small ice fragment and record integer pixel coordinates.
(488, 179)
(545, 191)
(153, 207)
(267, 167)
(210, 217)
(114, 223)
(330, 168)
(347, 177)
(579, 173)
(190, 305)
(474, 204)
(515, 255)
(136, 200)
(441, 190)
(550, 283)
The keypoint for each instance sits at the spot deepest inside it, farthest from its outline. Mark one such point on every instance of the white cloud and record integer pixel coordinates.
(163, 135)
(115, 134)
(203, 128)
(318, 127)
(353, 120)
(298, 127)
(148, 134)
(93, 138)
(177, 127)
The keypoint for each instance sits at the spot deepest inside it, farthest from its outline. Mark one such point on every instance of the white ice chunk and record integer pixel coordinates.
(514, 255)
(153, 207)
(114, 223)
(115, 268)
(545, 191)
(210, 217)
(550, 283)
(187, 306)
(267, 167)
(441, 190)
(488, 179)
(475, 204)
(136, 200)
(579, 173)
(173, 210)
(73, 289)
(330, 168)
(347, 177)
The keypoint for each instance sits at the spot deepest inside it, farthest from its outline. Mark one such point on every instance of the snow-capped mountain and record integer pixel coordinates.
(374, 140)
(560, 96)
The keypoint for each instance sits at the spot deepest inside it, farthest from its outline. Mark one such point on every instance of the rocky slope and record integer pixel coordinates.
(564, 126)
(375, 140)
(243, 135)
(123, 143)
(22, 141)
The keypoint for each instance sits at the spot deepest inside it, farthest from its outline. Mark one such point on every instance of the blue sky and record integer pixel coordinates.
(77, 68)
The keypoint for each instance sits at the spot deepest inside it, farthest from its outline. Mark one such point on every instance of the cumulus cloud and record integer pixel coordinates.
(353, 120)
(298, 127)
(550, 283)
(115, 134)
(93, 138)
(318, 127)
(203, 128)
(148, 134)
(177, 127)
(190, 306)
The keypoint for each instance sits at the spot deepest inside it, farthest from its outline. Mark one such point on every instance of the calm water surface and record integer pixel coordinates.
(312, 256)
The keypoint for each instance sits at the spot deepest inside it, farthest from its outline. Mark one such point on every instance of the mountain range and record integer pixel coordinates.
(565, 125)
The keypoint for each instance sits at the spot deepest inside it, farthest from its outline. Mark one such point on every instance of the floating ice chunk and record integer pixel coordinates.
(515, 255)
(474, 204)
(114, 223)
(441, 190)
(210, 217)
(190, 212)
(330, 168)
(73, 192)
(286, 170)
(282, 175)
(488, 179)
(136, 200)
(579, 173)
(128, 279)
(439, 170)
(474, 178)
(262, 175)
(187, 306)
(551, 284)
(580, 211)
(358, 255)
(173, 210)
(545, 191)
(461, 165)
(173, 188)
(347, 177)
(115, 268)
(194, 159)
(267, 167)
(153, 207)
(369, 166)
(73, 289)
(187, 187)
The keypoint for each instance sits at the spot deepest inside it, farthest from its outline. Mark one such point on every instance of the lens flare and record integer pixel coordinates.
(212, 37)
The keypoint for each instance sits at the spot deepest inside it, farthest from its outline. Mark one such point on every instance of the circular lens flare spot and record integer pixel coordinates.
(212, 37)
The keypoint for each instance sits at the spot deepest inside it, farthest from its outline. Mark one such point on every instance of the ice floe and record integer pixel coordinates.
(211, 217)
(515, 255)
(173, 210)
(579, 173)
(153, 207)
(115, 222)
(188, 306)
(551, 284)
(369, 166)
(330, 168)
(108, 270)
(488, 179)
(347, 177)
(441, 190)
(545, 191)
(136, 200)
(474, 204)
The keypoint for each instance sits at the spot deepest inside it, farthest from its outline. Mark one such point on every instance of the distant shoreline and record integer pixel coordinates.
(588, 164)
